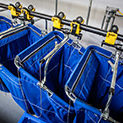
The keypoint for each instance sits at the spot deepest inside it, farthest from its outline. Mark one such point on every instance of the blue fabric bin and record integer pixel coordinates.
(9, 47)
(90, 82)
(54, 108)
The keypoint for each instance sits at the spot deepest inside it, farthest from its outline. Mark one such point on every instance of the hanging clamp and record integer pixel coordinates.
(57, 20)
(14, 9)
(111, 36)
(27, 15)
(75, 27)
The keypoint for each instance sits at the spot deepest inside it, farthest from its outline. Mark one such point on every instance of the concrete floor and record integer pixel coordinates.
(10, 112)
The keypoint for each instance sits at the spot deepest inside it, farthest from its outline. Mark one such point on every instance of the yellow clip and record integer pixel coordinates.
(78, 30)
(13, 10)
(27, 13)
(57, 22)
(111, 38)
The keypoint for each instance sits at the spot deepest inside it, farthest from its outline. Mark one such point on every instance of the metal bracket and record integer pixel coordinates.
(13, 8)
(26, 13)
(75, 27)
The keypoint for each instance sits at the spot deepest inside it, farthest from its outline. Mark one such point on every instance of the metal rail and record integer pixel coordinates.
(67, 22)
(49, 56)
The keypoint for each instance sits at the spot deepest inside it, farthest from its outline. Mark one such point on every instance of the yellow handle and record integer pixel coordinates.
(13, 10)
(28, 16)
(111, 38)
(57, 22)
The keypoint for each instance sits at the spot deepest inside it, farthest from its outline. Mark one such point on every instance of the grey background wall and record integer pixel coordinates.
(9, 110)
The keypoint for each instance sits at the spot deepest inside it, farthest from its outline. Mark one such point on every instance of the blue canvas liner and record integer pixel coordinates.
(90, 82)
(27, 118)
(54, 108)
(9, 48)
(5, 23)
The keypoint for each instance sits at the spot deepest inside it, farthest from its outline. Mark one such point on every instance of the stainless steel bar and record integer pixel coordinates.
(12, 31)
(48, 57)
(114, 66)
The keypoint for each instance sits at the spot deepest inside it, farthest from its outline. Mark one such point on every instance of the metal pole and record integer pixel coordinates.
(89, 10)
(12, 31)
(109, 16)
(113, 19)
(104, 19)
(115, 67)
(56, 7)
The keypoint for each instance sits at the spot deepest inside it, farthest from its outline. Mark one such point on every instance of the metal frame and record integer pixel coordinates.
(32, 53)
(114, 66)
(105, 114)
(49, 56)
(18, 63)
(17, 29)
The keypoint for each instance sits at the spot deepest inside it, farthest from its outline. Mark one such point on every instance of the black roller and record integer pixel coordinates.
(61, 15)
(30, 7)
(79, 19)
(17, 4)
(114, 29)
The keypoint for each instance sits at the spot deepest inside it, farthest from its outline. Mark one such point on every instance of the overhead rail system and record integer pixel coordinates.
(66, 22)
